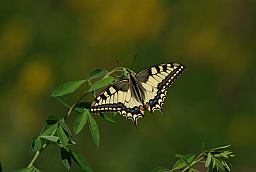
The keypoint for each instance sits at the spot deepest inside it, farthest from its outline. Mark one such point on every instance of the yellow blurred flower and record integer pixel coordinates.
(36, 77)
(120, 22)
(15, 38)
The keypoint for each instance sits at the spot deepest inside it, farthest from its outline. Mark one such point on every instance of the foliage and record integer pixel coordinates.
(215, 159)
(57, 132)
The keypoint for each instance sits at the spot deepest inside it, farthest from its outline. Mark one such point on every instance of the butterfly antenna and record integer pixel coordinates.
(118, 62)
(134, 60)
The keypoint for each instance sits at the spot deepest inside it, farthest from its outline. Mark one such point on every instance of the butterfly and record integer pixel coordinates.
(141, 91)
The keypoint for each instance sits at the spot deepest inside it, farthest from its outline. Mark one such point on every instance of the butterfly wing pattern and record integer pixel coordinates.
(156, 80)
(153, 81)
(118, 98)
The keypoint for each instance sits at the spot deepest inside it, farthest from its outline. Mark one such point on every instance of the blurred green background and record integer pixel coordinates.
(46, 43)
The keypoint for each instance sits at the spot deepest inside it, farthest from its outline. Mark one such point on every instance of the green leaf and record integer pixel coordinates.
(65, 127)
(160, 169)
(221, 148)
(36, 144)
(102, 83)
(25, 170)
(218, 150)
(52, 119)
(179, 156)
(83, 105)
(226, 154)
(226, 165)
(218, 165)
(183, 162)
(81, 162)
(36, 170)
(94, 130)
(213, 163)
(98, 73)
(31, 169)
(108, 118)
(208, 160)
(115, 113)
(79, 110)
(50, 138)
(80, 121)
(71, 142)
(66, 157)
(67, 88)
(49, 129)
(202, 146)
(193, 170)
(64, 139)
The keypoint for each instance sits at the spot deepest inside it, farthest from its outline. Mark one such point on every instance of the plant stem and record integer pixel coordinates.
(113, 71)
(73, 106)
(62, 102)
(38, 153)
(197, 160)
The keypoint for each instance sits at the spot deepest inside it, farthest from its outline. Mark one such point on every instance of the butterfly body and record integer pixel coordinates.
(145, 90)
(137, 90)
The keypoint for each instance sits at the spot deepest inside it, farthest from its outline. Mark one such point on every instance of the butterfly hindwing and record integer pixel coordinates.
(118, 98)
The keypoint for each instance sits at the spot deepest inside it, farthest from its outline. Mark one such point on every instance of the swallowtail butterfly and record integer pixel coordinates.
(145, 90)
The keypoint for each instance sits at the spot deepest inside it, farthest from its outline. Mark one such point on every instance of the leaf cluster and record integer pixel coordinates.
(57, 132)
(216, 159)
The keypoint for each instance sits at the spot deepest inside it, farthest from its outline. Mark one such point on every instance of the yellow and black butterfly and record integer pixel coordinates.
(145, 90)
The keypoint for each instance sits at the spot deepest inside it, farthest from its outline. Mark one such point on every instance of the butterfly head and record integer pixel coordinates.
(127, 73)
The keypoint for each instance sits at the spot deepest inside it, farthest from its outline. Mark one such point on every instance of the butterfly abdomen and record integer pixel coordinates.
(137, 89)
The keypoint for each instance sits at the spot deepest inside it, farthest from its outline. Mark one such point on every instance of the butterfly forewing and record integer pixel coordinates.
(156, 80)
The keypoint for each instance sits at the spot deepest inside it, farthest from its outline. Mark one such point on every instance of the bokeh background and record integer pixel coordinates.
(46, 43)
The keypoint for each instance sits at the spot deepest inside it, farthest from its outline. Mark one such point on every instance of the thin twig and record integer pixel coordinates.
(114, 70)
(197, 160)
(37, 154)
(62, 102)
(73, 106)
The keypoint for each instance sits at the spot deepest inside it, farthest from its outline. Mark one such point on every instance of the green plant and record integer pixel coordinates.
(215, 159)
(57, 132)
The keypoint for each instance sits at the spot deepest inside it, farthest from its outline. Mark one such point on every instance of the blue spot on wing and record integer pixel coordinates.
(153, 102)
(134, 110)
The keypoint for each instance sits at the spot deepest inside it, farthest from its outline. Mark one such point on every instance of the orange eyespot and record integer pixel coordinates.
(142, 108)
